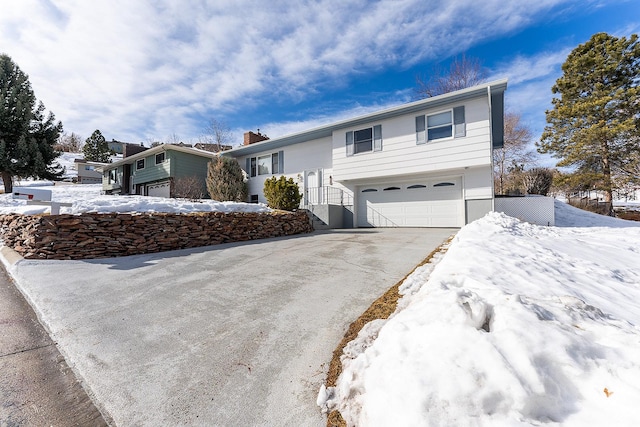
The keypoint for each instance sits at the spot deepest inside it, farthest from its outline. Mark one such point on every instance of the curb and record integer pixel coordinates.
(9, 256)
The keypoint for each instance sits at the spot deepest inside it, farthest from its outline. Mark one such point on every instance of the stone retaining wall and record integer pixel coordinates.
(94, 235)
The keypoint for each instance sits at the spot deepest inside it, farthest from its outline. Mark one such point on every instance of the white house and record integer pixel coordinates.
(423, 164)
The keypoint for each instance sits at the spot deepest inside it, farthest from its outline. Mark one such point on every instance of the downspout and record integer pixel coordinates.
(493, 190)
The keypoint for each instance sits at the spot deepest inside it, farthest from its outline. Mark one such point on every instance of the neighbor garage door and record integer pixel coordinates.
(160, 189)
(421, 203)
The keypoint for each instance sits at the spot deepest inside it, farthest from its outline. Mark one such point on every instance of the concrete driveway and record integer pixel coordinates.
(235, 334)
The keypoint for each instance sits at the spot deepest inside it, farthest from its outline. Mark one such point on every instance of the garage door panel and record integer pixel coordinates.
(433, 203)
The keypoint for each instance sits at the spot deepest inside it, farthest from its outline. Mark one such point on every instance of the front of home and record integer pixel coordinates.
(156, 171)
(423, 164)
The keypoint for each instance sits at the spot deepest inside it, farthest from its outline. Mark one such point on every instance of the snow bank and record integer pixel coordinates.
(87, 198)
(516, 325)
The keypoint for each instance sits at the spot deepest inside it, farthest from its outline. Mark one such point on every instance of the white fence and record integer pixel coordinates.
(534, 209)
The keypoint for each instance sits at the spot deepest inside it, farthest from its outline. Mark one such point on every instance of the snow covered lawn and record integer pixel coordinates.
(516, 325)
(87, 198)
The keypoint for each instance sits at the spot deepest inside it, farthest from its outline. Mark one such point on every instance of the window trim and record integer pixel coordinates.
(376, 140)
(144, 163)
(449, 125)
(269, 162)
(276, 164)
(164, 158)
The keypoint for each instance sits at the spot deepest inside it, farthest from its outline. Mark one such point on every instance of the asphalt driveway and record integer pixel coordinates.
(235, 334)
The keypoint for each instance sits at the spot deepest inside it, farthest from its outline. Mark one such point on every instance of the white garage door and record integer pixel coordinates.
(427, 203)
(160, 189)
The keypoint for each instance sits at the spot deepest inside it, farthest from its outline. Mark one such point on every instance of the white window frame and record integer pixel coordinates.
(164, 158)
(376, 140)
(275, 163)
(450, 125)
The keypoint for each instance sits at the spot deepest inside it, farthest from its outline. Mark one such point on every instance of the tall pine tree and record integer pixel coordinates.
(96, 148)
(27, 136)
(595, 122)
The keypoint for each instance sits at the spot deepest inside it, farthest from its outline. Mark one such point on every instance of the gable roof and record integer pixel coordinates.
(494, 88)
(156, 150)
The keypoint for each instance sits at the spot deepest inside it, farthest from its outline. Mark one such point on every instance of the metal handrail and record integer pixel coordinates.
(326, 195)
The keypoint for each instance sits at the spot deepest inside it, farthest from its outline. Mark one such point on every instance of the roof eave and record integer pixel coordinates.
(327, 130)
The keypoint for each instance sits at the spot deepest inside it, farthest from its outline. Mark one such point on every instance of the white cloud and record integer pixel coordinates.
(136, 69)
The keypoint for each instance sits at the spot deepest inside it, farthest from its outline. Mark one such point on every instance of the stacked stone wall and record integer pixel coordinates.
(94, 235)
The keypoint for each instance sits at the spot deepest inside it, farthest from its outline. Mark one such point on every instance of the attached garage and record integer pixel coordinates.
(159, 189)
(420, 203)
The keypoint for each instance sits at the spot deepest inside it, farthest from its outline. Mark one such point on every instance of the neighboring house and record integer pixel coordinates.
(125, 148)
(155, 171)
(88, 172)
(423, 164)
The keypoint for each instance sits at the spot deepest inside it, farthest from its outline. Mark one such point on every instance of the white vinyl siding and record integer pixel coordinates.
(312, 155)
(402, 155)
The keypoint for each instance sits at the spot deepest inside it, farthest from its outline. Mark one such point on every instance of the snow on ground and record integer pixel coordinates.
(87, 198)
(516, 324)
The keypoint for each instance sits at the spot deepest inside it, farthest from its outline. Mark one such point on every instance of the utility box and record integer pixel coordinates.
(26, 193)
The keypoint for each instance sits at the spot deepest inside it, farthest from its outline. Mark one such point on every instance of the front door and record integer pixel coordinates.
(312, 187)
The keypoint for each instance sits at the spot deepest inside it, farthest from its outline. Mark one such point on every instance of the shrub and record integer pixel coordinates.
(226, 180)
(188, 187)
(282, 193)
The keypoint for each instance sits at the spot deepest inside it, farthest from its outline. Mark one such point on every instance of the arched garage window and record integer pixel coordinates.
(369, 190)
(391, 188)
(414, 186)
(444, 184)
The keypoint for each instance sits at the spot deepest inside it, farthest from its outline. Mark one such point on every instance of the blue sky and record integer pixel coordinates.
(144, 71)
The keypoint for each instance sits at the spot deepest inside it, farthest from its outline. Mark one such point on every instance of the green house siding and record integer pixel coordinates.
(187, 165)
(177, 164)
(151, 171)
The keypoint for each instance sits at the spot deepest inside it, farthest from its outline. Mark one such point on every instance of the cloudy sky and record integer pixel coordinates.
(148, 70)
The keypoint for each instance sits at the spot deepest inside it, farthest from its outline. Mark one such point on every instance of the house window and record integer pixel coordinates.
(391, 188)
(160, 158)
(440, 126)
(446, 124)
(89, 167)
(414, 186)
(140, 164)
(254, 198)
(444, 184)
(364, 140)
(113, 176)
(266, 165)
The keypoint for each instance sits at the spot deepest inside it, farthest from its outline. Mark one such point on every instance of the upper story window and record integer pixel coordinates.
(364, 140)
(160, 158)
(269, 164)
(140, 164)
(442, 125)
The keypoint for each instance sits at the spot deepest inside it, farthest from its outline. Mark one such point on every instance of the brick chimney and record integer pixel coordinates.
(252, 138)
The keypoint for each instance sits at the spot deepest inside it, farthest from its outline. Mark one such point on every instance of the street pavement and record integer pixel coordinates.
(37, 388)
(234, 334)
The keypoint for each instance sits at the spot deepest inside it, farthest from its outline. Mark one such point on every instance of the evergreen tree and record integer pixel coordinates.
(27, 137)
(594, 124)
(226, 180)
(96, 148)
